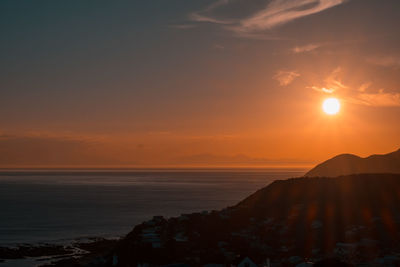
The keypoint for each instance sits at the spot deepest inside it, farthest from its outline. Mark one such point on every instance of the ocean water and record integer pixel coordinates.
(61, 206)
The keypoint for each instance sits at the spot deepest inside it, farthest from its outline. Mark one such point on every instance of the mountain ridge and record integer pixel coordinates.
(346, 164)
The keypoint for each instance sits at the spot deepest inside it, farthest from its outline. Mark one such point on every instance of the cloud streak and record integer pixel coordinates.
(305, 48)
(286, 77)
(266, 17)
(377, 99)
(201, 18)
(280, 12)
(333, 83)
(385, 61)
(363, 94)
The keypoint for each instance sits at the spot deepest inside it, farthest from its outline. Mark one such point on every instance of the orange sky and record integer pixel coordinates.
(197, 84)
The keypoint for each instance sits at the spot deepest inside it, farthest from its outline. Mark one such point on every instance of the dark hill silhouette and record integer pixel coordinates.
(346, 164)
(355, 218)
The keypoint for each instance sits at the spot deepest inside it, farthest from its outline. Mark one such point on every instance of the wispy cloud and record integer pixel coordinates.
(219, 47)
(378, 99)
(332, 83)
(363, 87)
(202, 18)
(363, 94)
(279, 12)
(286, 77)
(270, 15)
(385, 61)
(238, 159)
(323, 89)
(305, 48)
(44, 149)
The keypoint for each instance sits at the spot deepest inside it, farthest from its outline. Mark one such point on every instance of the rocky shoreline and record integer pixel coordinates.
(47, 254)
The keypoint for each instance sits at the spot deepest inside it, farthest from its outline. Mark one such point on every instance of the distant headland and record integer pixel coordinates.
(346, 164)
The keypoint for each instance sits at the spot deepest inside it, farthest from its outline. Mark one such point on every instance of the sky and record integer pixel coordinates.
(202, 83)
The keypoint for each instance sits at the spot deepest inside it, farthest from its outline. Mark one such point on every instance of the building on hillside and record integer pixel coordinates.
(247, 262)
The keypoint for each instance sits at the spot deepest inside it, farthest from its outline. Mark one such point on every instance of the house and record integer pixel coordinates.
(345, 249)
(247, 262)
(150, 235)
(181, 237)
(305, 264)
(114, 260)
(158, 219)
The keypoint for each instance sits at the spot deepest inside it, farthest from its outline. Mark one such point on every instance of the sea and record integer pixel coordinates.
(61, 206)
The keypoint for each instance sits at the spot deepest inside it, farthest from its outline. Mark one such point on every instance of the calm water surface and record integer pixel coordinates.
(57, 206)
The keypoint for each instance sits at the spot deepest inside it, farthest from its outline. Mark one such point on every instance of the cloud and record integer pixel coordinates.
(323, 89)
(363, 94)
(305, 48)
(219, 47)
(385, 61)
(332, 83)
(51, 150)
(236, 160)
(220, 159)
(279, 12)
(265, 17)
(377, 99)
(363, 87)
(285, 77)
(201, 18)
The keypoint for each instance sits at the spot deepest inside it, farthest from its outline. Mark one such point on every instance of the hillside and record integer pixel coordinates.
(346, 164)
(355, 218)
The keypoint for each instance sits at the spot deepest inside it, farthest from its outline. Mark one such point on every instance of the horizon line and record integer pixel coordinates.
(169, 167)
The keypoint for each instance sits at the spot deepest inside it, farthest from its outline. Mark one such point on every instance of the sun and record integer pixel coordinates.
(331, 106)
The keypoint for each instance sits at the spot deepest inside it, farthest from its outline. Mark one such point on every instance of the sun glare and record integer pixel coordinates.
(331, 106)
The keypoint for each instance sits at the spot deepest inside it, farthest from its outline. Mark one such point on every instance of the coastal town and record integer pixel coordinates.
(232, 235)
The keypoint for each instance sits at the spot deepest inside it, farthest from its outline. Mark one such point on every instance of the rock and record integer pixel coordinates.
(23, 251)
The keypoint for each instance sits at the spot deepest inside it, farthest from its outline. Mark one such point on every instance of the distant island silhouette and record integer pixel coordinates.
(346, 164)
